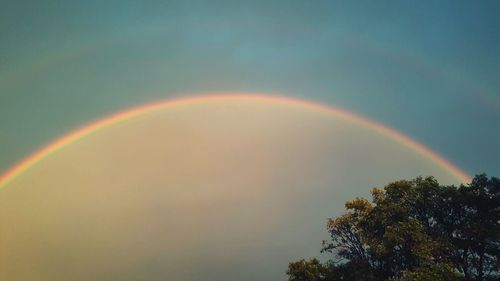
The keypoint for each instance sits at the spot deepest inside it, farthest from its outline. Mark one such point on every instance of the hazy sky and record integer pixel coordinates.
(428, 69)
(259, 181)
(218, 190)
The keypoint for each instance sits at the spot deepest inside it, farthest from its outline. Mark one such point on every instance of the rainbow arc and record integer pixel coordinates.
(111, 120)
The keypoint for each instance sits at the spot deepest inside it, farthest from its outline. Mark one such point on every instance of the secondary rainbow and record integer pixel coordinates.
(66, 140)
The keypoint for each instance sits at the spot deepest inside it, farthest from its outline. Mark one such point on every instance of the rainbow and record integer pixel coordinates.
(66, 140)
(17, 74)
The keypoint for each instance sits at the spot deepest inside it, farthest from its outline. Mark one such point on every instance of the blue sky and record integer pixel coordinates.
(427, 69)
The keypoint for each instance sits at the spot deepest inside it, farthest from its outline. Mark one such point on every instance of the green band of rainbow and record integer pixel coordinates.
(60, 143)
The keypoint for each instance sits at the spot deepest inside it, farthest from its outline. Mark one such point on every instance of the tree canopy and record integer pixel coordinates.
(413, 230)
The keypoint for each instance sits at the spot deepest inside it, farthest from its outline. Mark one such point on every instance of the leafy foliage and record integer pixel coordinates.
(413, 230)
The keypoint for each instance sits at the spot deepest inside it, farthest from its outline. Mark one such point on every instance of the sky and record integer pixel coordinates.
(426, 69)
(216, 189)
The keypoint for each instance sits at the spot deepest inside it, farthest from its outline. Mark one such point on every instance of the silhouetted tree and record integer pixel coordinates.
(413, 230)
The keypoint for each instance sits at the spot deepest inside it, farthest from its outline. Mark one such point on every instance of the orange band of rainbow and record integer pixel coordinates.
(60, 143)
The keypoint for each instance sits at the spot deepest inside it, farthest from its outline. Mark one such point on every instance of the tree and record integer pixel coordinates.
(414, 230)
(307, 270)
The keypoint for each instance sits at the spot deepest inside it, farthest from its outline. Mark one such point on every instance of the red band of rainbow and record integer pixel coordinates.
(60, 143)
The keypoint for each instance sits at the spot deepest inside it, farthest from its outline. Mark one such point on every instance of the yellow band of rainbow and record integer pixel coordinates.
(60, 143)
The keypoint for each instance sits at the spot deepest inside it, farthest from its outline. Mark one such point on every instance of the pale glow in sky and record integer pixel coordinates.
(227, 190)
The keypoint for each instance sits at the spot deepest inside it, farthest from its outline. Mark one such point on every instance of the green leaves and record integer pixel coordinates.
(307, 270)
